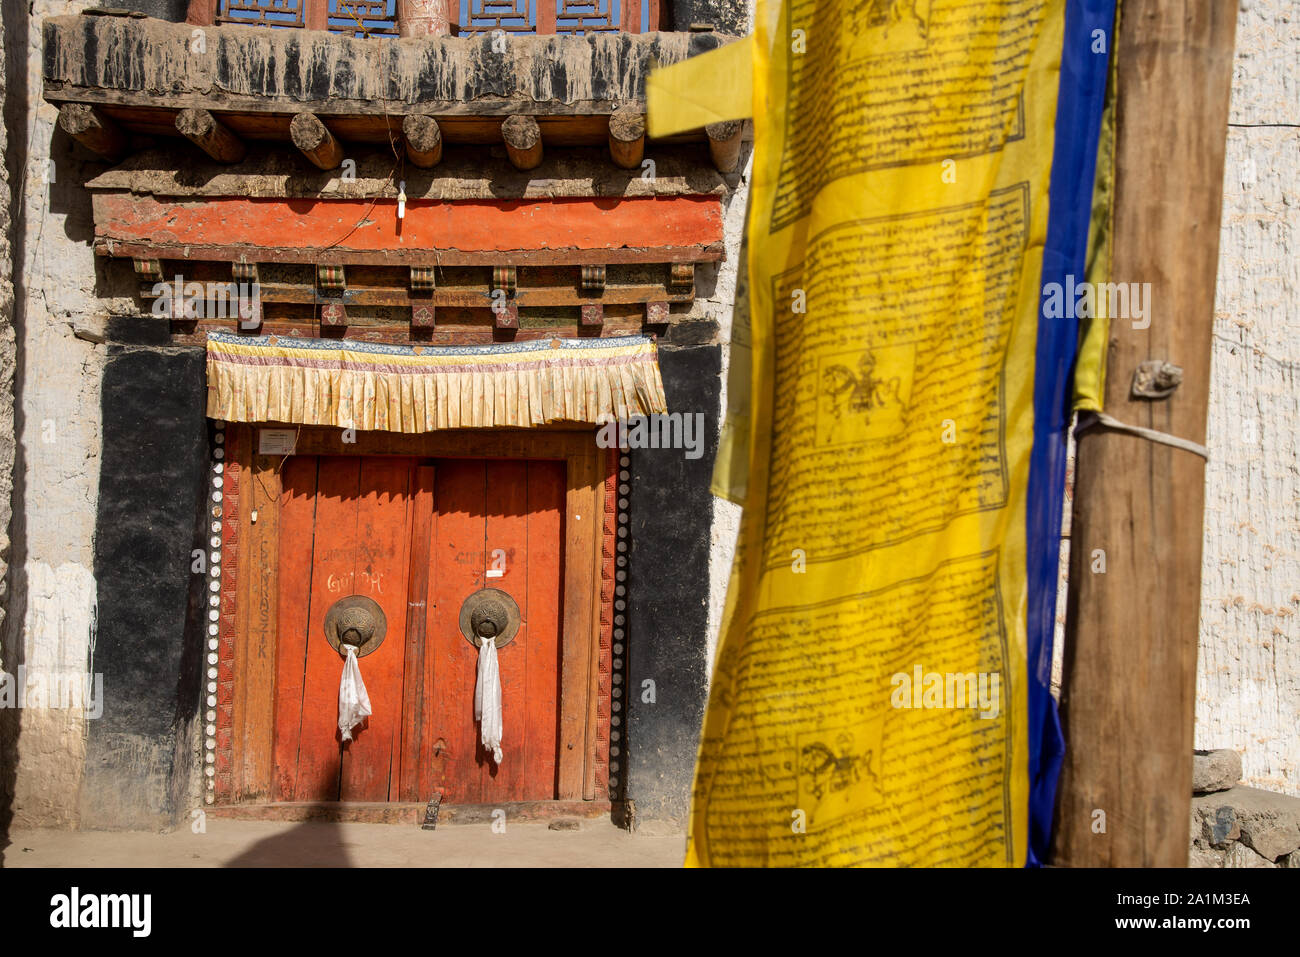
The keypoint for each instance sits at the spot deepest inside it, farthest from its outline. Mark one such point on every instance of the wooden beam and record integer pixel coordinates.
(207, 133)
(423, 140)
(316, 15)
(93, 130)
(523, 139)
(317, 143)
(724, 144)
(1127, 701)
(627, 137)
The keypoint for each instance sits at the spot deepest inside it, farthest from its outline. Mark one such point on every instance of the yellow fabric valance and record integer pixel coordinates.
(373, 386)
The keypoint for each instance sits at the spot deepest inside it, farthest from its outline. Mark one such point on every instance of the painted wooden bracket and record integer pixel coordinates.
(505, 310)
(422, 316)
(148, 271)
(656, 312)
(681, 277)
(333, 314)
(592, 314)
(423, 281)
(593, 280)
(244, 272)
(331, 278)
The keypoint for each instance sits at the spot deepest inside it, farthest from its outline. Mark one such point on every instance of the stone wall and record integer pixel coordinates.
(1248, 690)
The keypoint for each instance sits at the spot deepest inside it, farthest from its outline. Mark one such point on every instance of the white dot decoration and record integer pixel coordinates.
(216, 527)
(613, 765)
(214, 601)
(216, 482)
(214, 586)
(620, 604)
(216, 571)
(615, 736)
(622, 529)
(210, 757)
(618, 662)
(617, 706)
(620, 575)
(212, 643)
(613, 781)
(618, 620)
(624, 461)
(214, 615)
(212, 701)
(618, 679)
(208, 798)
(212, 659)
(216, 496)
(623, 475)
(622, 503)
(622, 546)
(212, 687)
(618, 649)
(212, 729)
(210, 716)
(215, 557)
(209, 770)
(212, 673)
(621, 561)
(616, 721)
(613, 749)
(620, 590)
(219, 454)
(212, 630)
(219, 438)
(216, 540)
(618, 693)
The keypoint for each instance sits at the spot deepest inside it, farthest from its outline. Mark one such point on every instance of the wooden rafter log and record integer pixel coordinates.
(423, 140)
(93, 130)
(523, 139)
(724, 144)
(592, 314)
(315, 141)
(627, 136)
(208, 133)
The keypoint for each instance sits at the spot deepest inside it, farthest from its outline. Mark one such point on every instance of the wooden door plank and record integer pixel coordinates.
(297, 524)
(417, 602)
(380, 566)
(254, 769)
(456, 570)
(545, 595)
(332, 579)
(581, 538)
(506, 545)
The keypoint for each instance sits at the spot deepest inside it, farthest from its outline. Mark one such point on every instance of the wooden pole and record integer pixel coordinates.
(93, 130)
(724, 144)
(423, 140)
(523, 139)
(1128, 696)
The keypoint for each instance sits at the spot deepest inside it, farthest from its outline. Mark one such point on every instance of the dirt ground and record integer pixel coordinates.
(227, 843)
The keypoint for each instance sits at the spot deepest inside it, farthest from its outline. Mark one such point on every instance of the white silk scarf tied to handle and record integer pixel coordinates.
(354, 702)
(487, 698)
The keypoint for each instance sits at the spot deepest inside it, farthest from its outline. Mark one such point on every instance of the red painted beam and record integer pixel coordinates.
(344, 225)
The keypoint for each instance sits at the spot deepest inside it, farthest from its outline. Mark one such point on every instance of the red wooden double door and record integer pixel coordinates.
(418, 537)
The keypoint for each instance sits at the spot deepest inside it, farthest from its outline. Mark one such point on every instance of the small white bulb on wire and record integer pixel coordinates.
(401, 200)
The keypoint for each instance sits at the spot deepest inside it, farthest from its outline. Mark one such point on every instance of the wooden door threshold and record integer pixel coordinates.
(384, 812)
